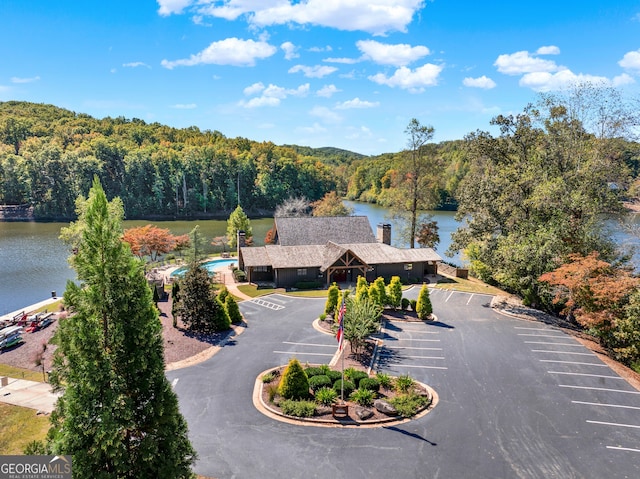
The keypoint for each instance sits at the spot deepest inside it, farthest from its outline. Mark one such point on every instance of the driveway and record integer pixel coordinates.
(518, 399)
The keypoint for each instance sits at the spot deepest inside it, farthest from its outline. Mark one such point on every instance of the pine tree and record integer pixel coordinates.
(423, 306)
(395, 292)
(331, 304)
(362, 288)
(238, 221)
(294, 383)
(118, 415)
(199, 308)
(233, 310)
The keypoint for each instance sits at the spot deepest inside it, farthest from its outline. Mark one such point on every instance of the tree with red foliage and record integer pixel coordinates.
(593, 291)
(150, 241)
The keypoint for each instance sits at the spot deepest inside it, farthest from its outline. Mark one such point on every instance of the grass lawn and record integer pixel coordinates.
(19, 373)
(471, 285)
(19, 426)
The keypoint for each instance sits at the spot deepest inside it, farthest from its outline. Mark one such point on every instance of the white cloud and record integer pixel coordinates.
(373, 16)
(317, 71)
(230, 51)
(412, 80)
(548, 50)
(183, 106)
(321, 49)
(397, 55)
(623, 79)
(167, 7)
(327, 91)
(631, 61)
(24, 80)
(135, 65)
(325, 114)
(253, 89)
(356, 103)
(314, 129)
(289, 50)
(346, 61)
(359, 133)
(480, 82)
(271, 95)
(522, 62)
(545, 81)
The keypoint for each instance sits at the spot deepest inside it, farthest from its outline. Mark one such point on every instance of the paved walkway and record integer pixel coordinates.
(31, 394)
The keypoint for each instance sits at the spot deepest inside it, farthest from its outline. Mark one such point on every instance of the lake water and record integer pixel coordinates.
(33, 261)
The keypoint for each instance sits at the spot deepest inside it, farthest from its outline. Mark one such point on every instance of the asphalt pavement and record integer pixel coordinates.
(518, 399)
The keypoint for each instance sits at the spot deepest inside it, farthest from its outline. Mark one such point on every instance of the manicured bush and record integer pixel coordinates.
(313, 371)
(334, 375)
(405, 304)
(332, 299)
(362, 288)
(325, 368)
(372, 384)
(413, 303)
(239, 275)
(355, 376)
(320, 381)
(222, 294)
(363, 397)
(298, 408)
(326, 396)
(348, 387)
(294, 383)
(385, 380)
(233, 310)
(267, 378)
(323, 316)
(394, 296)
(308, 284)
(423, 306)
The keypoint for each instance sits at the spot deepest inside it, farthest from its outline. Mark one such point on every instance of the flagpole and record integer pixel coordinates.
(342, 382)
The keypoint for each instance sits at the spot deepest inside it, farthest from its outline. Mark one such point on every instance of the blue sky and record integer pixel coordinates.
(343, 73)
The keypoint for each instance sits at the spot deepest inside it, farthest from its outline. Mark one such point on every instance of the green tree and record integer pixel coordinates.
(627, 334)
(117, 415)
(13, 132)
(378, 292)
(233, 310)
(362, 288)
(238, 221)
(330, 205)
(423, 306)
(294, 383)
(199, 307)
(197, 248)
(361, 320)
(395, 292)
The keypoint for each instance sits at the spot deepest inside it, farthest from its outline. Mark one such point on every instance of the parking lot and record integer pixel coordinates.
(517, 399)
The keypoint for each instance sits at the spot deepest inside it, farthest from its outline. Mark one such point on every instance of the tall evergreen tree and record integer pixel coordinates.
(118, 415)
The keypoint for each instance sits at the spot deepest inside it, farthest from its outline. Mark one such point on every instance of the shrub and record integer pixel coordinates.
(325, 369)
(319, 381)
(372, 384)
(326, 396)
(347, 385)
(294, 383)
(385, 380)
(408, 405)
(394, 296)
(355, 376)
(267, 378)
(403, 383)
(239, 275)
(334, 375)
(222, 294)
(298, 408)
(332, 299)
(233, 310)
(404, 304)
(323, 316)
(363, 397)
(423, 305)
(313, 371)
(362, 288)
(272, 390)
(413, 303)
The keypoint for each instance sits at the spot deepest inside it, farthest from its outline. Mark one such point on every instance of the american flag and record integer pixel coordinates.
(340, 333)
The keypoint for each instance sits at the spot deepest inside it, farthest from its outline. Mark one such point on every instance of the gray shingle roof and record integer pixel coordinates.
(318, 230)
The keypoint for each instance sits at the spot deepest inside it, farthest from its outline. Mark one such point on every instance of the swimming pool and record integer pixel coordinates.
(211, 266)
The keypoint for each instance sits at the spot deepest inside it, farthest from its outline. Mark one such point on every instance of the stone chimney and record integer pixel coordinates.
(383, 234)
(241, 243)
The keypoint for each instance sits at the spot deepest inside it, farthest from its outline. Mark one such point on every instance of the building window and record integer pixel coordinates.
(408, 266)
(260, 269)
(302, 271)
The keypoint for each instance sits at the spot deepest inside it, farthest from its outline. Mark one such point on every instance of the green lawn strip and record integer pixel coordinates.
(467, 285)
(19, 426)
(253, 291)
(51, 307)
(20, 373)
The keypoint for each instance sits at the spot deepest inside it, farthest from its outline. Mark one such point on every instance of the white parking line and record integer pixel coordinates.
(417, 340)
(584, 374)
(598, 389)
(421, 367)
(572, 362)
(174, 382)
(382, 353)
(620, 448)
(561, 352)
(553, 344)
(544, 335)
(614, 424)
(311, 344)
(469, 300)
(301, 353)
(413, 331)
(447, 300)
(411, 347)
(605, 405)
(535, 329)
